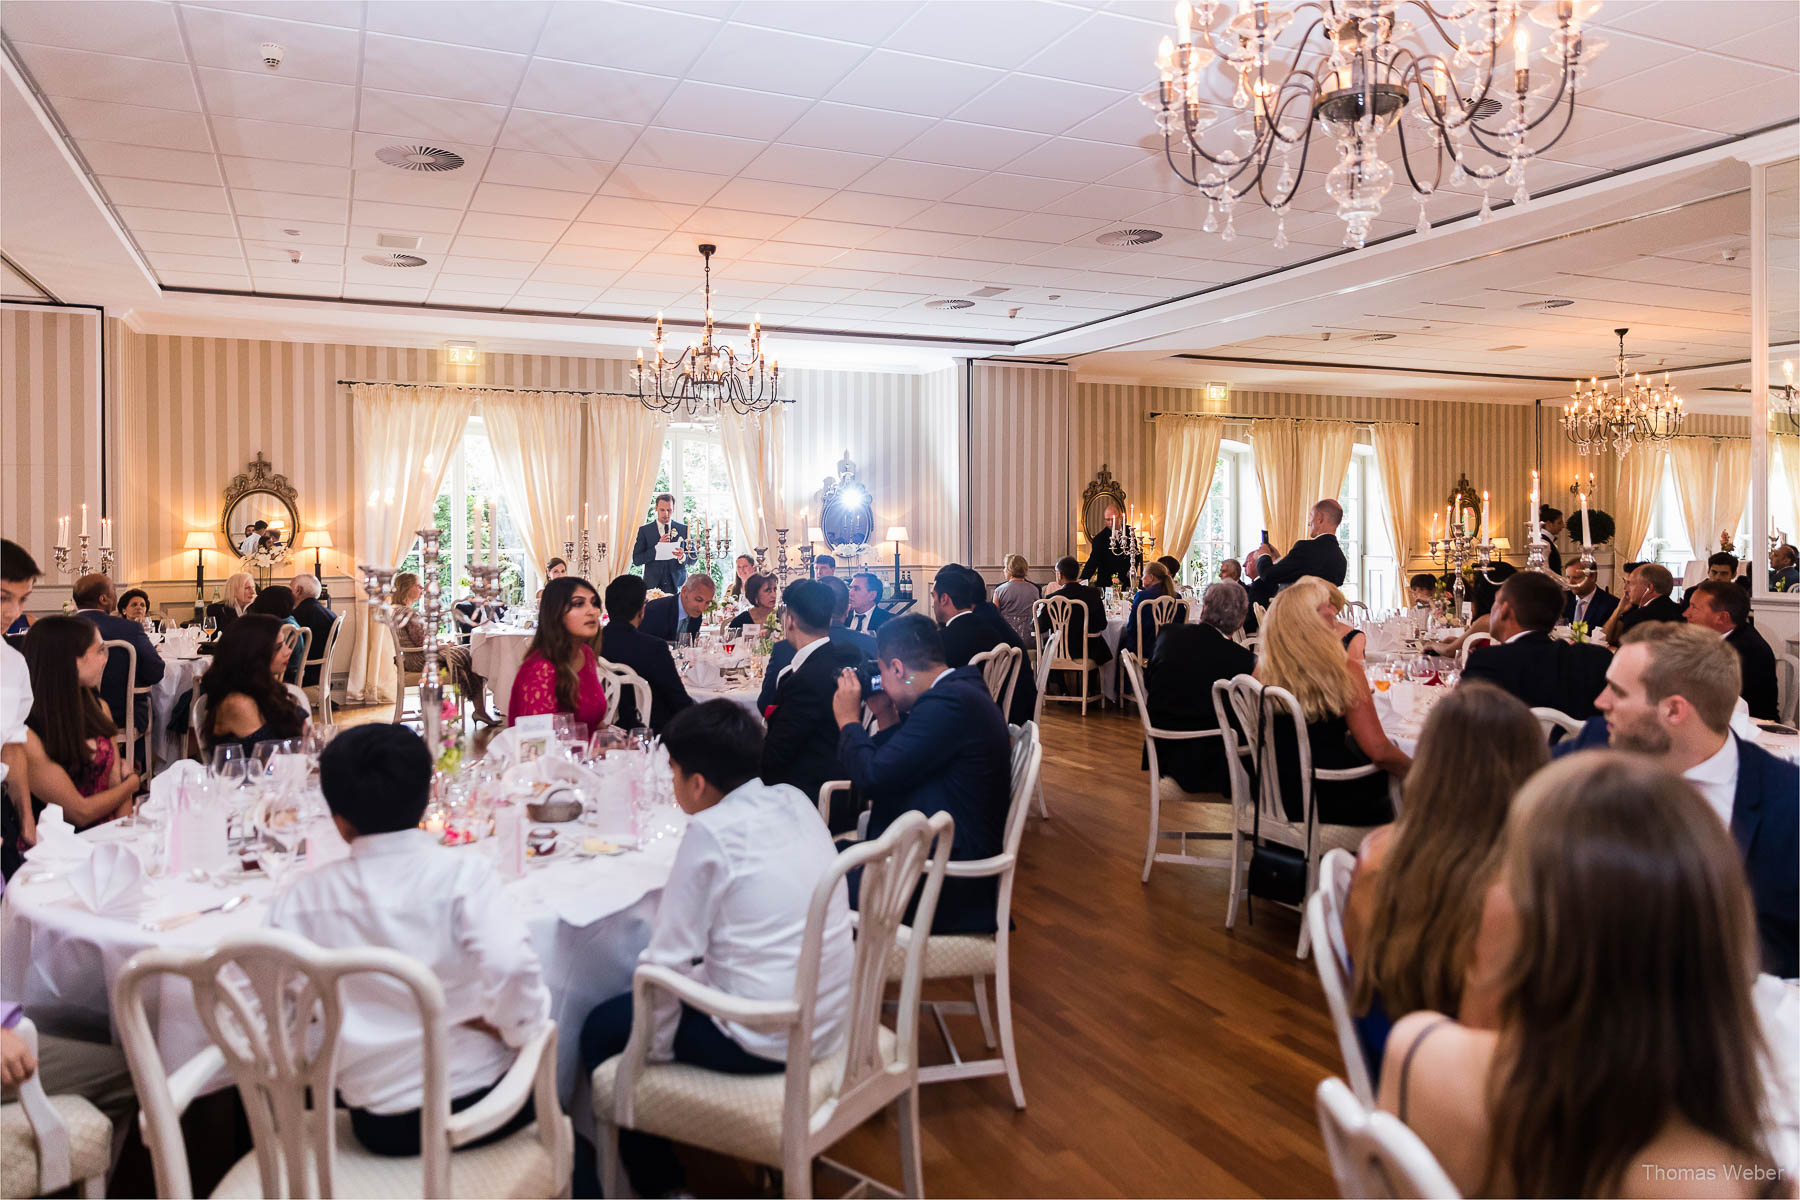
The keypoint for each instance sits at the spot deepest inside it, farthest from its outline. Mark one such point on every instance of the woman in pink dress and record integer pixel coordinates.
(561, 673)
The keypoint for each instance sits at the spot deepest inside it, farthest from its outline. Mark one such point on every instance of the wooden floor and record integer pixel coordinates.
(1161, 1055)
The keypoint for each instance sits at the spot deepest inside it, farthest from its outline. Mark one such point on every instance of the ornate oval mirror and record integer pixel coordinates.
(261, 513)
(846, 510)
(1102, 493)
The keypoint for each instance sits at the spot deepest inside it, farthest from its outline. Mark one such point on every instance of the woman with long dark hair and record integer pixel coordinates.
(1627, 1037)
(763, 592)
(69, 751)
(1416, 898)
(561, 673)
(243, 699)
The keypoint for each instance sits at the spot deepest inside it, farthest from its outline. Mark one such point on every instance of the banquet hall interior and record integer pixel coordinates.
(498, 493)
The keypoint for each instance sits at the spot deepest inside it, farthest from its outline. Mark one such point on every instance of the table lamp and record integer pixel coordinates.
(896, 534)
(200, 541)
(317, 540)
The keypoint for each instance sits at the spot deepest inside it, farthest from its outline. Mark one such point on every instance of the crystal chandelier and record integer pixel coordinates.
(1353, 70)
(1784, 400)
(709, 375)
(1639, 413)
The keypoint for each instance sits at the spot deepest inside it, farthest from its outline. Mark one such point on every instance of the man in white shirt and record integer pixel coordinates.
(444, 907)
(18, 574)
(732, 917)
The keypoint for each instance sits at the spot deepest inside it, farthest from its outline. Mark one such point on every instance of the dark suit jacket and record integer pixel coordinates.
(112, 684)
(1765, 814)
(1544, 673)
(1321, 556)
(979, 630)
(316, 617)
(1097, 648)
(1758, 662)
(670, 575)
(663, 618)
(1188, 660)
(1660, 609)
(782, 653)
(801, 744)
(628, 646)
(1104, 566)
(950, 753)
(1600, 607)
(1552, 556)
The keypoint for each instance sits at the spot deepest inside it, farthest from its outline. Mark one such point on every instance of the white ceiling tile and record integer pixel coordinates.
(149, 162)
(213, 263)
(730, 223)
(569, 137)
(288, 205)
(1150, 172)
(527, 201)
(233, 41)
(273, 98)
(267, 273)
(151, 193)
(529, 304)
(592, 257)
(911, 83)
(363, 238)
(187, 243)
(1001, 249)
(204, 281)
(487, 268)
(306, 233)
(662, 184)
(1775, 100)
(958, 144)
(683, 148)
(87, 119)
(268, 174)
(584, 91)
(287, 143)
(865, 22)
(112, 77)
(283, 251)
(1106, 203)
(533, 289)
(844, 127)
(510, 26)
(773, 60)
(870, 209)
(457, 299)
(1049, 227)
(1125, 122)
(841, 234)
(1774, 44)
(429, 118)
(501, 225)
(164, 220)
(424, 68)
(389, 185)
(758, 195)
(105, 26)
(795, 255)
(1040, 105)
(961, 218)
(917, 241)
(643, 214)
(632, 36)
(489, 247)
(346, 14)
(615, 237)
(916, 180)
(1077, 159)
(376, 266)
(549, 171)
(754, 272)
(836, 277)
(477, 284)
(1024, 192)
(881, 261)
(1106, 49)
(885, 300)
(805, 164)
(405, 218)
(992, 33)
(736, 112)
(371, 291)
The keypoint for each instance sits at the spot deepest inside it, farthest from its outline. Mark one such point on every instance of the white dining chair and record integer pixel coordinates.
(49, 1142)
(614, 679)
(1551, 719)
(1331, 956)
(1472, 643)
(403, 678)
(1052, 646)
(1787, 689)
(978, 957)
(125, 740)
(1166, 789)
(1153, 615)
(999, 669)
(1357, 613)
(272, 1005)
(296, 668)
(322, 707)
(1373, 1154)
(787, 1120)
(1059, 611)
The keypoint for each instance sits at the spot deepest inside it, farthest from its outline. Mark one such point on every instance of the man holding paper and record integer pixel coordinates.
(659, 548)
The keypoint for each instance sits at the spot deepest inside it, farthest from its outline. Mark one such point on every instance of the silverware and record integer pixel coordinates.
(164, 924)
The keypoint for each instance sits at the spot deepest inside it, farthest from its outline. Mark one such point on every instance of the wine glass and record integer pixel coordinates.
(1422, 669)
(229, 764)
(1448, 674)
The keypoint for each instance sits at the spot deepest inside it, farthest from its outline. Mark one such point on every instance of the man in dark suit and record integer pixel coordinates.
(1550, 527)
(801, 746)
(1587, 601)
(668, 617)
(1725, 609)
(865, 594)
(1319, 554)
(94, 599)
(1086, 624)
(624, 644)
(1526, 661)
(972, 625)
(664, 574)
(1722, 567)
(1106, 565)
(1178, 681)
(942, 746)
(1669, 695)
(1646, 599)
(312, 615)
(782, 653)
(1784, 569)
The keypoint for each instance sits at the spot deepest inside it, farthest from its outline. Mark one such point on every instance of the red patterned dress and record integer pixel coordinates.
(534, 691)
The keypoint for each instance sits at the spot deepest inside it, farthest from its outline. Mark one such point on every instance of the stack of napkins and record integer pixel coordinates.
(111, 881)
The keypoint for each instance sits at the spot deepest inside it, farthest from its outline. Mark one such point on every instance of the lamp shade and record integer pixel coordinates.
(896, 533)
(814, 534)
(1501, 543)
(201, 539)
(316, 539)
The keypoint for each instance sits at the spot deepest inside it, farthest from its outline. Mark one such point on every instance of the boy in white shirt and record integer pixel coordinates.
(731, 916)
(18, 574)
(444, 907)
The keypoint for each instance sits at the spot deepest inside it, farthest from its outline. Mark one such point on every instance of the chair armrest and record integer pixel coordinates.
(46, 1126)
(826, 792)
(1182, 735)
(508, 1096)
(976, 868)
(754, 1014)
(1333, 776)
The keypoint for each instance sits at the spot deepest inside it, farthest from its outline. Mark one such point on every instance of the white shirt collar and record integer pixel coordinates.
(1515, 637)
(965, 612)
(800, 656)
(942, 675)
(1716, 779)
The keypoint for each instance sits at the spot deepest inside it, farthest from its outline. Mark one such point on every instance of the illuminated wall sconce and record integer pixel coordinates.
(461, 354)
(1218, 393)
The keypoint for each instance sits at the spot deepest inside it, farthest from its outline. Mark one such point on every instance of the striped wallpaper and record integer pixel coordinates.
(51, 427)
(1019, 437)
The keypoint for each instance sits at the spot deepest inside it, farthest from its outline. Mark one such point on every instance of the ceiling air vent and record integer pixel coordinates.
(949, 304)
(1485, 109)
(1545, 305)
(1374, 337)
(419, 158)
(399, 241)
(394, 260)
(1129, 237)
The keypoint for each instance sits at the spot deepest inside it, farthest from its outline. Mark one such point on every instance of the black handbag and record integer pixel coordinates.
(1277, 871)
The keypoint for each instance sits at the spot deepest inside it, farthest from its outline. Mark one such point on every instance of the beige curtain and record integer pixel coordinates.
(1325, 450)
(1396, 446)
(1276, 453)
(755, 452)
(1640, 474)
(1731, 487)
(1786, 459)
(1695, 464)
(404, 438)
(624, 449)
(536, 438)
(1187, 451)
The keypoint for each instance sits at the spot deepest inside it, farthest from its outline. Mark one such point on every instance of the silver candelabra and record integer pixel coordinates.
(484, 585)
(80, 566)
(781, 559)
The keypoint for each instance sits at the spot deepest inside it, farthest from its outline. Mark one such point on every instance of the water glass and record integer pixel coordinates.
(229, 764)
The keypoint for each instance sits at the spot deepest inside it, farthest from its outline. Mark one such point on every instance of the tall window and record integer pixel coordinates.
(1228, 523)
(470, 484)
(1668, 541)
(693, 471)
(1372, 574)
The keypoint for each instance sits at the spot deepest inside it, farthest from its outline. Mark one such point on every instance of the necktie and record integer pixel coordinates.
(860, 619)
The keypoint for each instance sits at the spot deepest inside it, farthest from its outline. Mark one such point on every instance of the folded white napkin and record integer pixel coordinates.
(111, 882)
(167, 785)
(57, 843)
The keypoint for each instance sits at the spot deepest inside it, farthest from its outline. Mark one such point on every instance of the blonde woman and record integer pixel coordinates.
(1016, 597)
(240, 592)
(1301, 653)
(1328, 602)
(1156, 582)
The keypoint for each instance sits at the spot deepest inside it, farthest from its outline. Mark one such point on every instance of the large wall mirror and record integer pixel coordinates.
(1102, 494)
(261, 512)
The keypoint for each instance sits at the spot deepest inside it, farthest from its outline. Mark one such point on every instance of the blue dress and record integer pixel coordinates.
(1372, 1029)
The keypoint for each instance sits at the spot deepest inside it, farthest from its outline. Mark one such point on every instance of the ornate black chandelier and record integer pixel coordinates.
(708, 375)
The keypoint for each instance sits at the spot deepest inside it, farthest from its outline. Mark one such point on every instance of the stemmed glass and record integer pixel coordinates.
(1422, 670)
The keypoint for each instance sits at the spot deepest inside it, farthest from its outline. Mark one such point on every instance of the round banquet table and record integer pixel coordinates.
(588, 919)
(178, 677)
(497, 652)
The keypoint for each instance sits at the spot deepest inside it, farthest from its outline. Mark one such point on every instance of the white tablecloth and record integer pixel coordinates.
(178, 676)
(745, 695)
(58, 955)
(497, 652)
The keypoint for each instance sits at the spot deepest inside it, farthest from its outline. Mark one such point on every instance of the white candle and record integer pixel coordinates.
(84, 520)
(1586, 544)
(105, 532)
(1434, 525)
(1484, 516)
(1534, 507)
(584, 515)
(62, 530)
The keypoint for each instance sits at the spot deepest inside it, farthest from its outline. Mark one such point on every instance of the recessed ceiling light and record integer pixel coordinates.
(1374, 337)
(988, 293)
(949, 304)
(1129, 237)
(394, 260)
(1545, 305)
(414, 157)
